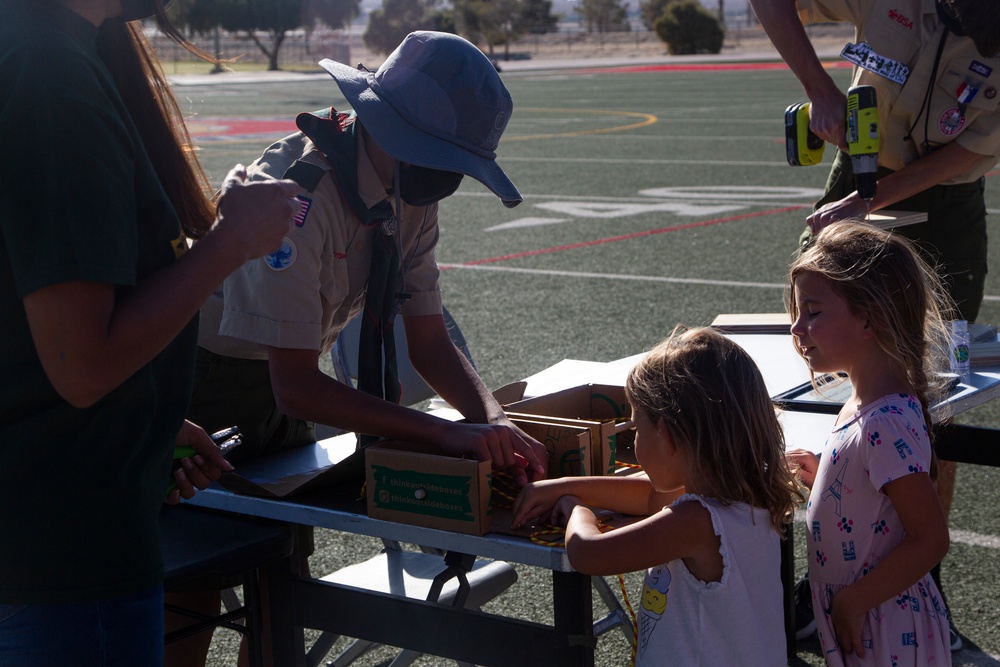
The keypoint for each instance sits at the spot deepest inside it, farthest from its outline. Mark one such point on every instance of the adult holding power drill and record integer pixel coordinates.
(934, 67)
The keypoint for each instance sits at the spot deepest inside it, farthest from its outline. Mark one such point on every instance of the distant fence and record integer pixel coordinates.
(570, 37)
(302, 49)
(298, 48)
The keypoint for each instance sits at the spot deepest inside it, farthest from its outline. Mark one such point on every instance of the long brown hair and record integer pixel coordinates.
(710, 396)
(133, 64)
(882, 277)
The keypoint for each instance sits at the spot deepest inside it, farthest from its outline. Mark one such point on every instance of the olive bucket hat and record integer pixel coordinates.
(437, 102)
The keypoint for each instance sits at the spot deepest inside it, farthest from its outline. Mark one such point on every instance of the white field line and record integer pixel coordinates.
(619, 276)
(639, 199)
(974, 539)
(634, 161)
(615, 276)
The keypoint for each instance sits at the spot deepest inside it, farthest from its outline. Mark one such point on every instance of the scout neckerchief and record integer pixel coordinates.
(334, 134)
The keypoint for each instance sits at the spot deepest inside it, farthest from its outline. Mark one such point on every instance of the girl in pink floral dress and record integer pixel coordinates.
(863, 303)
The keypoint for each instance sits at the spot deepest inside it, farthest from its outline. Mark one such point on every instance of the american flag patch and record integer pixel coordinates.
(306, 204)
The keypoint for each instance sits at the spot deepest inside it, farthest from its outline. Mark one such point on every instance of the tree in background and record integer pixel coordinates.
(335, 14)
(604, 15)
(686, 27)
(536, 17)
(388, 26)
(196, 16)
(503, 21)
(273, 18)
(650, 10)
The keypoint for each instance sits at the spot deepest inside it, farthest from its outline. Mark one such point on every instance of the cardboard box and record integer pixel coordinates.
(567, 444)
(600, 435)
(605, 404)
(411, 483)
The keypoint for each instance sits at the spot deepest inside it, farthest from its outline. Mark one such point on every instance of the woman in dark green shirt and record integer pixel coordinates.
(99, 293)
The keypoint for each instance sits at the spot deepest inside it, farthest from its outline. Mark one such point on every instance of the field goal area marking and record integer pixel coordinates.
(684, 201)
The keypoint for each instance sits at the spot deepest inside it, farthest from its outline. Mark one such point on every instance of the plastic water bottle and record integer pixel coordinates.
(960, 343)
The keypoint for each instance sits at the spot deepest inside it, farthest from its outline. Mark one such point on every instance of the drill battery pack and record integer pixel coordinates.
(802, 146)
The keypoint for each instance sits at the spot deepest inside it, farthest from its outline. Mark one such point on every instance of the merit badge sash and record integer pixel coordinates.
(865, 57)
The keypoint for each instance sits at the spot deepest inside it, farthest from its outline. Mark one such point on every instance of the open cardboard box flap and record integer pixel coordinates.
(297, 470)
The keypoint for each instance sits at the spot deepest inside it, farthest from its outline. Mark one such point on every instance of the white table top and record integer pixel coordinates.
(779, 363)
(783, 370)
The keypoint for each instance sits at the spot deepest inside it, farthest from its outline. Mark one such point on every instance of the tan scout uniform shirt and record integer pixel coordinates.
(906, 33)
(308, 303)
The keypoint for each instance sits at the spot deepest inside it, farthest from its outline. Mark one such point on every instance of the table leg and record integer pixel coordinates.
(788, 588)
(287, 640)
(574, 615)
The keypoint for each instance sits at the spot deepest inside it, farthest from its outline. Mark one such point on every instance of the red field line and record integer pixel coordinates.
(626, 237)
(702, 67)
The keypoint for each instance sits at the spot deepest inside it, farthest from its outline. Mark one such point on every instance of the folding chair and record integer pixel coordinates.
(199, 543)
(451, 579)
(616, 617)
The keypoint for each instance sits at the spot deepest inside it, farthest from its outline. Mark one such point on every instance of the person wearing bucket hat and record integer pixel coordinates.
(371, 180)
(935, 66)
(437, 103)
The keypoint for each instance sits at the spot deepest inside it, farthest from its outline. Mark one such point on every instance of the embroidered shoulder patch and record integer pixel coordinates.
(980, 68)
(283, 257)
(951, 121)
(304, 205)
(862, 55)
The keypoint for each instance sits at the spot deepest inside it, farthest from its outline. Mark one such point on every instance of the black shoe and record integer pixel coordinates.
(953, 636)
(805, 621)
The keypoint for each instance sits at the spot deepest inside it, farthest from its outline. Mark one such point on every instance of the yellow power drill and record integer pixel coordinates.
(804, 148)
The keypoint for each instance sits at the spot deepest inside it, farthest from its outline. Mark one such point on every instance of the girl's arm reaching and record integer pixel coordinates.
(681, 532)
(684, 531)
(925, 544)
(632, 495)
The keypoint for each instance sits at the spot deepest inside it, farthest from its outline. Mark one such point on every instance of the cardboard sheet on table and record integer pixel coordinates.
(570, 373)
(297, 470)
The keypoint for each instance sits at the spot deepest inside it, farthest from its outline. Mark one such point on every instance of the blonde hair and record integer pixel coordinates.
(882, 277)
(710, 396)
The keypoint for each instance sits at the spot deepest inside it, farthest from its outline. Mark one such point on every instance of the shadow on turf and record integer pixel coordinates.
(809, 654)
(811, 647)
(972, 655)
